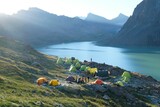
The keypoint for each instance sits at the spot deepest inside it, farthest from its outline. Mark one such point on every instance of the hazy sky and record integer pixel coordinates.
(71, 8)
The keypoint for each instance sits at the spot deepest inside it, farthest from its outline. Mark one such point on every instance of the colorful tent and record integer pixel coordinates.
(87, 69)
(59, 61)
(125, 79)
(70, 78)
(126, 76)
(72, 68)
(78, 65)
(98, 81)
(93, 70)
(83, 67)
(54, 83)
(41, 80)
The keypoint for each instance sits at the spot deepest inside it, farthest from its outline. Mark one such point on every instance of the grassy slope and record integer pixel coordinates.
(18, 75)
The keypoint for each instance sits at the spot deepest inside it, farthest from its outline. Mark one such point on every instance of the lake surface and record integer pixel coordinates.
(143, 60)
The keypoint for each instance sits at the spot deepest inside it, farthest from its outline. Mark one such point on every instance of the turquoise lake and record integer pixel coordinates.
(142, 60)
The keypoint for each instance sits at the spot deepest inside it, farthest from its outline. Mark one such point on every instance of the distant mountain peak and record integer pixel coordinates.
(96, 18)
(122, 15)
(120, 19)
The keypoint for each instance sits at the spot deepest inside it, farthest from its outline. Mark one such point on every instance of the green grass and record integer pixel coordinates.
(18, 76)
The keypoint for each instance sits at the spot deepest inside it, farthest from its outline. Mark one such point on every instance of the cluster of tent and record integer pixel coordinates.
(76, 65)
(44, 81)
(124, 78)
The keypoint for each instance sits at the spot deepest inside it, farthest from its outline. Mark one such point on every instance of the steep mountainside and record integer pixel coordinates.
(38, 28)
(142, 28)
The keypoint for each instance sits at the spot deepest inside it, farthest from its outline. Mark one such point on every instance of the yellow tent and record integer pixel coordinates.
(92, 70)
(54, 83)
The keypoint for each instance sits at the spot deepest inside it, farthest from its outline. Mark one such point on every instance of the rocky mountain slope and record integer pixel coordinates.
(39, 28)
(142, 28)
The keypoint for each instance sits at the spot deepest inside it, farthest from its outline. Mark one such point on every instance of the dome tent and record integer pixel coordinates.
(72, 68)
(98, 81)
(93, 70)
(87, 69)
(42, 80)
(126, 76)
(78, 65)
(83, 67)
(54, 83)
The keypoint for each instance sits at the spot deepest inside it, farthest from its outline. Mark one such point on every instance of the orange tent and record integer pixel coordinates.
(98, 81)
(41, 80)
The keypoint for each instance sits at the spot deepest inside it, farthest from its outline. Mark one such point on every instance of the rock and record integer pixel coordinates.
(106, 97)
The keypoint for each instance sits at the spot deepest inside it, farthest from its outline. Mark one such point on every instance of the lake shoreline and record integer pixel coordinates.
(141, 60)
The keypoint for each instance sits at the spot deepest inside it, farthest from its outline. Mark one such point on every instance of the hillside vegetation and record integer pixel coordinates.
(21, 65)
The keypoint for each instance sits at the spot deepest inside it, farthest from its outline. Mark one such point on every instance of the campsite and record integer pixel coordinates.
(104, 80)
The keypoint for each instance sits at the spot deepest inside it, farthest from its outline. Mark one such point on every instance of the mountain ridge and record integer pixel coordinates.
(119, 20)
(40, 28)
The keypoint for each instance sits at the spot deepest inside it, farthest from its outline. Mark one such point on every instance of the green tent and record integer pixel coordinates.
(126, 74)
(77, 65)
(83, 67)
(72, 68)
(59, 61)
(87, 68)
(125, 79)
(68, 61)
